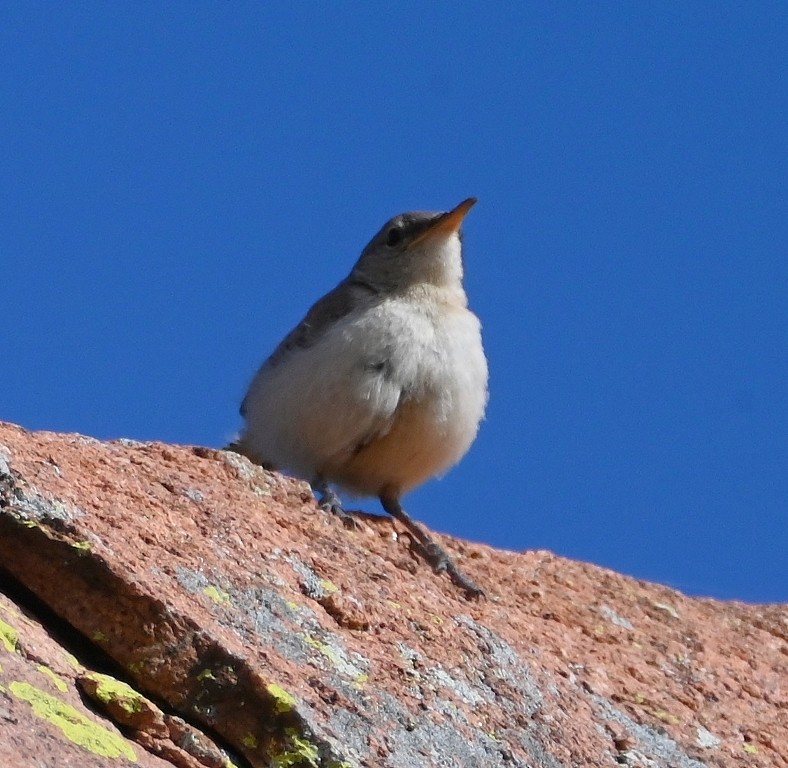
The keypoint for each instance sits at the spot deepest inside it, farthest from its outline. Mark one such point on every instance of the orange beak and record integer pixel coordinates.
(448, 222)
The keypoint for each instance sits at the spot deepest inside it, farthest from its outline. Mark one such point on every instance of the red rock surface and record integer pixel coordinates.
(253, 630)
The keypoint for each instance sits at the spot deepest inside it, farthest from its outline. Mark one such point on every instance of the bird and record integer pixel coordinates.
(384, 383)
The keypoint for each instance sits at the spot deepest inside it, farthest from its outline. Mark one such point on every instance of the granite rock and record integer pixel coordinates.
(174, 605)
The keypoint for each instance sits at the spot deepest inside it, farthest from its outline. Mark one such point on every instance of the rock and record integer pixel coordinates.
(171, 605)
(43, 720)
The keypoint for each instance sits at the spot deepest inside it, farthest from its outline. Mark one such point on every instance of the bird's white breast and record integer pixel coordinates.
(387, 397)
(437, 363)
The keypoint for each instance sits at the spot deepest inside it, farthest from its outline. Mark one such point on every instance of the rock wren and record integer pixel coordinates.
(384, 382)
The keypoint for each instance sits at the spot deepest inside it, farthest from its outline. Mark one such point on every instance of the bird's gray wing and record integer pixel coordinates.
(327, 390)
(326, 311)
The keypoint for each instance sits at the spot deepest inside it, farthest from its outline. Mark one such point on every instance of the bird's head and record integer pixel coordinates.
(417, 248)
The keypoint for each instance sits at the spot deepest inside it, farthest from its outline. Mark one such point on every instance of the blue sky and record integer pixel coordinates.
(180, 181)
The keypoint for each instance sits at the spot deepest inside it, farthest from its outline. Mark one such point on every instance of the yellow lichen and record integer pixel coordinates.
(56, 681)
(324, 648)
(219, 596)
(206, 674)
(334, 655)
(301, 752)
(109, 690)
(329, 586)
(75, 726)
(9, 637)
(283, 701)
(250, 741)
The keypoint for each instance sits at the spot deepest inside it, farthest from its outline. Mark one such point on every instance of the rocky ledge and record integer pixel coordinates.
(164, 605)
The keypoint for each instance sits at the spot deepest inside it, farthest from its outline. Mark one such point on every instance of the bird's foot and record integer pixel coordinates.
(330, 502)
(440, 561)
(436, 556)
(432, 552)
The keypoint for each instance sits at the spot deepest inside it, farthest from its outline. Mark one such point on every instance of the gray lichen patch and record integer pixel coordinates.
(258, 478)
(653, 744)
(507, 677)
(5, 462)
(608, 613)
(312, 584)
(427, 740)
(32, 506)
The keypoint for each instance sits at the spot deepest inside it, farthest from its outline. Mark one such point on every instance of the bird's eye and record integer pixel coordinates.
(394, 237)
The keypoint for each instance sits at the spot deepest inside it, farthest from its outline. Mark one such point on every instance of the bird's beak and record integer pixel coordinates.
(447, 223)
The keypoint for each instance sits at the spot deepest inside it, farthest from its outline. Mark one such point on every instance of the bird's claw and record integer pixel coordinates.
(436, 556)
(348, 520)
(440, 561)
(329, 502)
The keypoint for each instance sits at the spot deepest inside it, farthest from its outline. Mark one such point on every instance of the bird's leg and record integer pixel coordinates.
(433, 552)
(329, 501)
